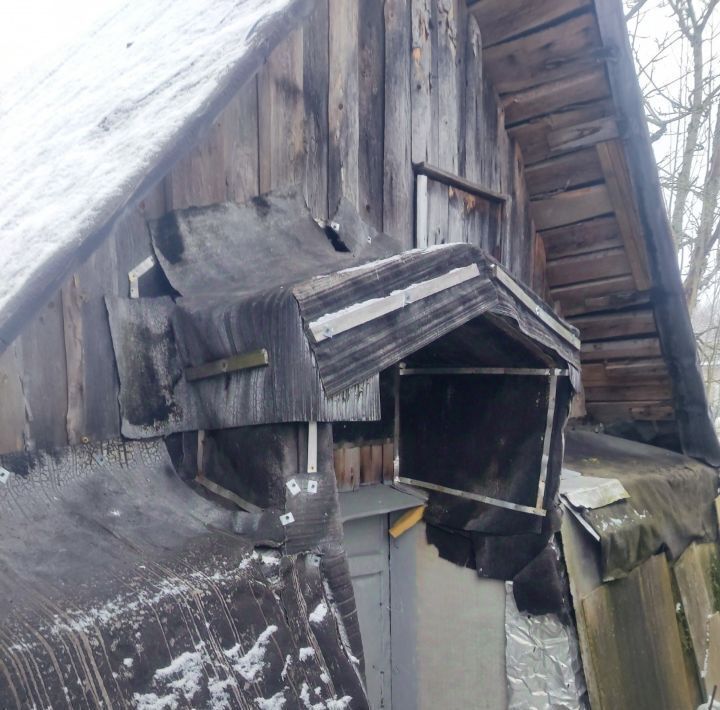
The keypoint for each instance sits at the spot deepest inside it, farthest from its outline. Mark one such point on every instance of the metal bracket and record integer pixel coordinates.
(4, 475)
(312, 447)
(287, 518)
(242, 361)
(137, 273)
(293, 487)
(547, 437)
(312, 487)
(473, 496)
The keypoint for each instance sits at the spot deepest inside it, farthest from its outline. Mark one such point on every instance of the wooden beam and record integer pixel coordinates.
(621, 194)
(611, 302)
(583, 135)
(555, 96)
(501, 19)
(563, 173)
(586, 237)
(534, 135)
(571, 206)
(581, 292)
(615, 325)
(620, 349)
(587, 267)
(617, 373)
(631, 392)
(549, 54)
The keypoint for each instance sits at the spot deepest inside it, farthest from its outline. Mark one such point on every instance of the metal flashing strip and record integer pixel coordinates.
(473, 496)
(242, 361)
(332, 324)
(421, 210)
(137, 273)
(547, 437)
(529, 371)
(312, 463)
(511, 285)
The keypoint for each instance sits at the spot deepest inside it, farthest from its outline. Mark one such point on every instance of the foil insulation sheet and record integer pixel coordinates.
(542, 661)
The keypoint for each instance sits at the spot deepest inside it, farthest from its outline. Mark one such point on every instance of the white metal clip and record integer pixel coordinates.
(139, 271)
(312, 447)
(4, 475)
(312, 487)
(293, 487)
(287, 518)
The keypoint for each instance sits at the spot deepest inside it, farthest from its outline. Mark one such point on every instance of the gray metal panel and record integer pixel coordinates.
(366, 544)
(374, 500)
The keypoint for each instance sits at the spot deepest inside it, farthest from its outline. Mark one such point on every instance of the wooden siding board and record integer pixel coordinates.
(571, 206)
(281, 116)
(343, 104)
(549, 54)
(592, 235)
(371, 57)
(12, 410)
(620, 349)
(501, 19)
(586, 267)
(316, 78)
(556, 96)
(615, 325)
(563, 173)
(398, 183)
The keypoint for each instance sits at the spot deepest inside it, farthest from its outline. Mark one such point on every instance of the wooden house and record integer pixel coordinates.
(296, 300)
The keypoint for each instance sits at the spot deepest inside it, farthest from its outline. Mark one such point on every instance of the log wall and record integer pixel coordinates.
(344, 107)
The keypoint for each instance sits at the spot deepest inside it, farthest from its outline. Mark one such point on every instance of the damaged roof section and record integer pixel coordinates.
(139, 586)
(257, 339)
(138, 89)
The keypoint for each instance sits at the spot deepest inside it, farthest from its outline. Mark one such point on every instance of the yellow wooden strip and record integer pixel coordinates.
(406, 521)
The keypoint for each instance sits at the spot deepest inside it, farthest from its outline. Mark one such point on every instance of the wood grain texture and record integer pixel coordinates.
(398, 183)
(316, 78)
(595, 265)
(616, 325)
(343, 104)
(501, 19)
(564, 173)
(571, 206)
(281, 115)
(12, 411)
(371, 102)
(589, 236)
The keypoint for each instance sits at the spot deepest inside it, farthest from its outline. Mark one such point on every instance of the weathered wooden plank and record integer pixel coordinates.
(349, 479)
(281, 115)
(617, 373)
(473, 86)
(563, 173)
(584, 291)
(549, 54)
(617, 178)
(583, 135)
(608, 412)
(535, 135)
(501, 19)
(571, 206)
(449, 84)
(592, 235)
(343, 104)
(612, 302)
(634, 643)
(12, 409)
(539, 275)
(615, 325)
(371, 57)
(398, 178)
(316, 79)
(240, 144)
(556, 96)
(621, 349)
(425, 134)
(437, 221)
(586, 267)
(388, 461)
(44, 377)
(629, 393)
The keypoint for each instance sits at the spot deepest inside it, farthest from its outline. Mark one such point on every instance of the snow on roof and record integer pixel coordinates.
(90, 129)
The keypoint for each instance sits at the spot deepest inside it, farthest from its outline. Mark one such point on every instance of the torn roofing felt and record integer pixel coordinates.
(670, 503)
(135, 591)
(135, 91)
(324, 338)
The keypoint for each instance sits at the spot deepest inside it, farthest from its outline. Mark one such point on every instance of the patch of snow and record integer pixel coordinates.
(319, 613)
(150, 701)
(184, 674)
(288, 663)
(306, 652)
(277, 702)
(251, 664)
(88, 123)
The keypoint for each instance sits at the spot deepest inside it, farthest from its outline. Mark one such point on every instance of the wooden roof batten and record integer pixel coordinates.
(566, 79)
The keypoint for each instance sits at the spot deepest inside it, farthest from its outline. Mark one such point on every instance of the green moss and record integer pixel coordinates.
(684, 629)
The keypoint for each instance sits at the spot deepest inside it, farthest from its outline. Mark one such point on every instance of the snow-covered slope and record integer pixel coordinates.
(81, 135)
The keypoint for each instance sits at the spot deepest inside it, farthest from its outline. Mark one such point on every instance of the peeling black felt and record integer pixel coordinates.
(135, 588)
